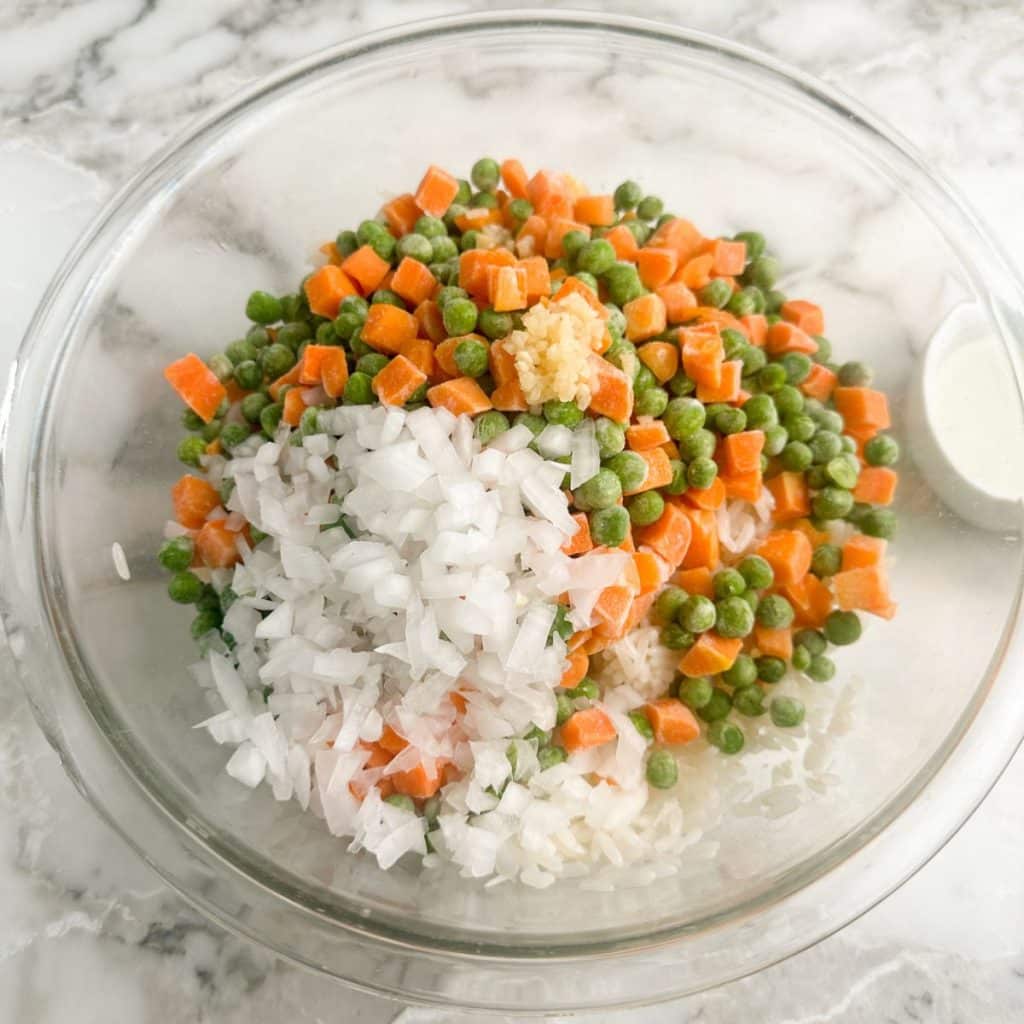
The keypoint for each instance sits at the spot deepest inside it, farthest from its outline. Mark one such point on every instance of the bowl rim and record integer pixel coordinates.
(241, 103)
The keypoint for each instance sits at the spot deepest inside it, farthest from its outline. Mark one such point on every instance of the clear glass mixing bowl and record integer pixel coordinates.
(731, 139)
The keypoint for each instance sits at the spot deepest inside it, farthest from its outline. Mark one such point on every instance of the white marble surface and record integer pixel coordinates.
(88, 88)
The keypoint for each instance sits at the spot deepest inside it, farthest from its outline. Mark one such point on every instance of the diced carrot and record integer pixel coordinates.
(420, 352)
(680, 235)
(196, 385)
(645, 317)
(536, 229)
(596, 644)
(786, 337)
(788, 552)
(656, 265)
(670, 536)
(862, 551)
(421, 782)
(696, 272)
(806, 315)
(623, 241)
(538, 277)
(729, 257)
(612, 610)
(743, 486)
(461, 397)
(628, 544)
(588, 728)
(819, 383)
(326, 287)
(509, 397)
(507, 288)
(558, 228)
(677, 298)
(503, 364)
(811, 600)
(703, 355)
(513, 174)
(810, 531)
(710, 655)
(194, 499)
(216, 545)
(330, 250)
(392, 741)
(659, 471)
(294, 407)
(728, 387)
(436, 191)
(862, 408)
(402, 213)
(696, 581)
(792, 499)
(580, 542)
(865, 590)
(741, 452)
(876, 485)
(703, 549)
(554, 206)
(710, 497)
(774, 643)
(650, 570)
(473, 266)
(477, 218)
(647, 433)
(672, 721)
(598, 211)
(366, 268)
(573, 285)
(757, 328)
(611, 391)
(234, 391)
(413, 281)
(377, 757)
(286, 380)
(444, 355)
(214, 447)
(578, 639)
(396, 383)
(333, 371)
(722, 317)
(312, 361)
(387, 327)
(661, 358)
(641, 607)
(579, 663)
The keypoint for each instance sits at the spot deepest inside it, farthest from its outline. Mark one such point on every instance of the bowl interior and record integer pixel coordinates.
(723, 142)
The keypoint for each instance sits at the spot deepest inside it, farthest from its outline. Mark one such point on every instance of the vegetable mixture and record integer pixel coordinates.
(599, 323)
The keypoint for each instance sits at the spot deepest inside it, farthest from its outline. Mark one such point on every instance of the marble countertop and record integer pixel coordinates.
(88, 89)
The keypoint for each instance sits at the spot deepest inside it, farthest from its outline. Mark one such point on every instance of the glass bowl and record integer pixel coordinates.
(734, 140)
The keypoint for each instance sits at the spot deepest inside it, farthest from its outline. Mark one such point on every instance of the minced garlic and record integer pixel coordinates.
(494, 236)
(553, 350)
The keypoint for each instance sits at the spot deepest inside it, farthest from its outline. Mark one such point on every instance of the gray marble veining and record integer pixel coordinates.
(88, 90)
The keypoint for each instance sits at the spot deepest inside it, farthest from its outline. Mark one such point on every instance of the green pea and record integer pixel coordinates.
(799, 427)
(700, 444)
(772, 378)
(270, 417)
(459, 315)
(801, 659)
(662, 770)
(786, 712)
(639, 230)
(749, 701)
(754, 242)
(611, 438)
(821, 669)
(346, 242)
(564, 414)
(757, 573)
(627, 195)
(449, 292)
(675, 638)
(381, 242)
(563, 708)
(733, 343)
(842, 628)
(775, 612)
(490, 425)
(561, 626)
(233, 435)
(683, 417)
(742, 672)
(221, 366)
(520, 209)
(770, 670)
(609, 526)
(249, 375)
(754, 360)
(643, 379)
(293, 335)
(774, 301)
(358, 390)
(824, 352)
(855, 375)
(651, 402)
(494, 325)
(485, 174)
(442, 249)
(812, 640)
(630, 468)
(641, 724)
(696, 614)
(596, 256)
(678, 484)
(796, 457)
(484, 200)
(548, 757)
(463, 193)
(817, 478)
(762, 271)
(573, 242)
(536, 424)
(825, 446)
(879, 522)
(623, 283)
(347, 323)
(727, 736)
(241, 350)
(326, 334)
(205, 622)
(190, 420)
(601, 491)
(645, 508)
(715, 293)
(650, 208)
(832, 503)
(717, 707)
(371, 364)
(211, 431)
(827, 560)
(419, 396)
(728, 583)
(734, 617)
(263, 308)
(390, 298)
(730, 421)
(681, 385)
(191, 450)
(775, 440)
(185, 587)
(176, 554)
(696, 693)
(788, 400)
(843, 471)
(430, 227)
(668, 603)
(760, 411)
(472, 357)
(797, 366)
(881, 450)
(745, 301)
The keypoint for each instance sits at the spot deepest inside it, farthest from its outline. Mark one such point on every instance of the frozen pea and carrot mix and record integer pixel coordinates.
(526, 504)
